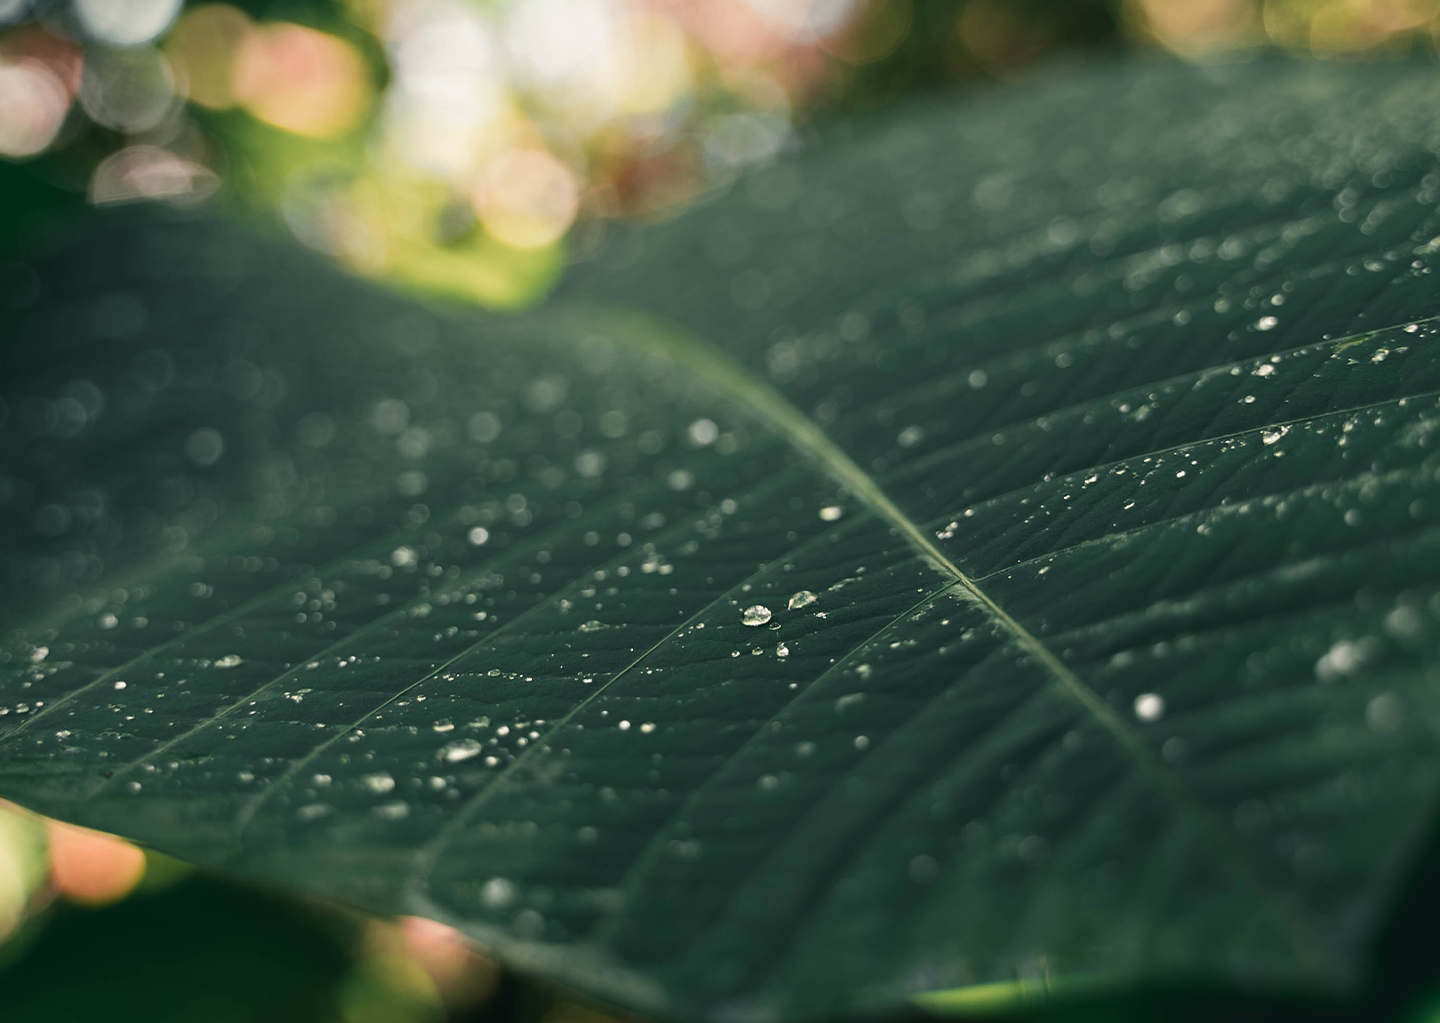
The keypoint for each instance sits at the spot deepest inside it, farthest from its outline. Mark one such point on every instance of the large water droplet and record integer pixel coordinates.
(755, 614)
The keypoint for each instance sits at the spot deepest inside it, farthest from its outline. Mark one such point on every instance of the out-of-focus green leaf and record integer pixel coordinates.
(1003, 546)
(197, 951)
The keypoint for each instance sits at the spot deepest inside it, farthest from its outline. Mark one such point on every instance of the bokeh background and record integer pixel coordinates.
(468, 149)
(472, 147)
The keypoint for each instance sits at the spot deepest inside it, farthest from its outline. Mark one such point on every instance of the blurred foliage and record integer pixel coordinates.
(198, 950)
(472, 147)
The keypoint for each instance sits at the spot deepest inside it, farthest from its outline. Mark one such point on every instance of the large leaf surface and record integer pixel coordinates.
(1078, 445)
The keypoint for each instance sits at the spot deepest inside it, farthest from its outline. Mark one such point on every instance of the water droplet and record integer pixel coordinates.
(831, 513)
(923, 869)
(39, 654)
(479, 535)
(755, 614)
(782, 651)
(1149, 706)
(1340, 660)
(498, 893)
(593, 625)
(378, 783)
(1266, 323)
(120, 685)
(704, 432)
(229, 661)
(463, 749)
(803, 598)
(1273, 434)
(1384, 713)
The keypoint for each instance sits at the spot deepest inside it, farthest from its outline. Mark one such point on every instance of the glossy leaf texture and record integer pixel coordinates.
(1004, 543)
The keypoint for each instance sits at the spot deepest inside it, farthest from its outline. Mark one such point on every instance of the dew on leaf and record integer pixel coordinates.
(379, 783)
(1149, 707)
(1342, 659)
(799, 599)
(462, 749)
(498, 893)
(755, 614)
(703, 432)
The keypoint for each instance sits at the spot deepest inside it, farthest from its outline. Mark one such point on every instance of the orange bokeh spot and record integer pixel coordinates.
(90, 867)
(301, 80)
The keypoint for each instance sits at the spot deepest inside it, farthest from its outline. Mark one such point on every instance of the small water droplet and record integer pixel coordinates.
(229, 661)
(1384, 713)
(1344, 658)
(498, 893)
(1273, 434)
(593, 625)
(755, 614)
(782, 651)
(378, 783)
(831, 513)
(704, 432)
(1149, 706)
(463, 749)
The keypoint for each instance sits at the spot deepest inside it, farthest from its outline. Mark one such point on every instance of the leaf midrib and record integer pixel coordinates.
(723, 374)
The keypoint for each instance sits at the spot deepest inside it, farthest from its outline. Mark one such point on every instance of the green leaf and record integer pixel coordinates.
(1003, 546)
